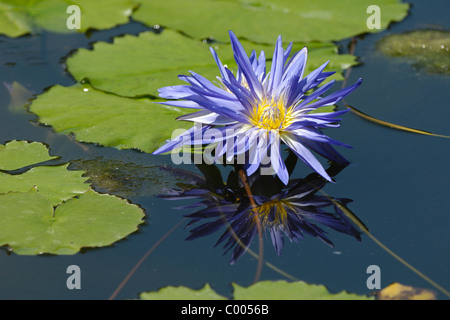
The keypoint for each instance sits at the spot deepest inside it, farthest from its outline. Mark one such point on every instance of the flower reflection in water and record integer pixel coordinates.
(285, 211)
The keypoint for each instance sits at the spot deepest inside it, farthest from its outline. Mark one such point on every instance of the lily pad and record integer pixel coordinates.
(20, 17)
(18, 154)
(263, 20)
(283, 290)
(427, 49)
(112, 121)
(182, 293)
(56, 183)
(264, 290)
(140, 65)
(30, 224)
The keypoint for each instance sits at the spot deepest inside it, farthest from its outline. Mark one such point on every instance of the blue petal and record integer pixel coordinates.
(244, 65)
(303, 153)
(276, 159)
(336, 96)
(207, 117)
(304, 85)
(325, 150)
(276, 71)
(219, 64)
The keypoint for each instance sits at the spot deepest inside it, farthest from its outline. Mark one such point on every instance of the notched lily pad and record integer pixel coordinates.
(18, 154)
(262, 21)
(112, 121)
(50, 209)
(428, 50)
(56, 183)
(20, 17)
(283, 290)
(140, 65)
(264, 290)
(31, 225)
(182, 293)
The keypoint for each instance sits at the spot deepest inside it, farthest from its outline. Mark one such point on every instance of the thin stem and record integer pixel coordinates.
(130, 274)
(258, 225)
(349, 214)
(373, 119)
(239, 242)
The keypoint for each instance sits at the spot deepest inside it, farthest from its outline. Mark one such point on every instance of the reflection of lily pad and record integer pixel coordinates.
(140, 65)
(30, 225)
(263, 20)
(264, 290)
(18, 154)
(428, 49)
(112, 121)
(19, 17)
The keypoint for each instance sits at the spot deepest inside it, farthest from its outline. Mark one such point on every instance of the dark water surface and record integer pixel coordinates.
(399, 183)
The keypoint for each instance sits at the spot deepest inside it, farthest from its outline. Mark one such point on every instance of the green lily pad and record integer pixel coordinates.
(182, 293)
(140, 65)
(20, 17)
(263, 20)
(30, 224)
(57, 183)
(18, 154)
(264, 290)
(427, 49)
(283, 290)
(112, 121)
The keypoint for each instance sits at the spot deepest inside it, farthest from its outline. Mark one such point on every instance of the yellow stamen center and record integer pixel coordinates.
(271, 115)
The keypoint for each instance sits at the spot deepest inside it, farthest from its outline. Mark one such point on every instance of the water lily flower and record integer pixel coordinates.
(255, 111)
(284, 211)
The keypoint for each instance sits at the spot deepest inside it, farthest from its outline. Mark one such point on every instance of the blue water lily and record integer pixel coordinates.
(254, 111)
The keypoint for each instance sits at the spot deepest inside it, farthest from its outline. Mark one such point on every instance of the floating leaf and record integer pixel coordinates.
(283, 290)
(397, 291)
(263, 20)
(18, 154)
(30, 225)
(264, 290)
(140, 65)
(428, 49)
(19, 17)
(182, 293)
(112, 121)
(56, 183)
